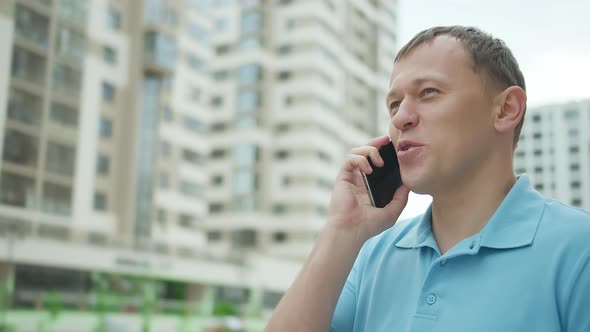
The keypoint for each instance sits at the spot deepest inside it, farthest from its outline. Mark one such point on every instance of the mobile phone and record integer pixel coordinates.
(384, 181)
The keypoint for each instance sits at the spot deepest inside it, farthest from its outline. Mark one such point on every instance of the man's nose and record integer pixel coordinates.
(406, 116)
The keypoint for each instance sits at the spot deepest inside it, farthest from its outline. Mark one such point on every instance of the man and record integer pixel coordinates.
(489, 254)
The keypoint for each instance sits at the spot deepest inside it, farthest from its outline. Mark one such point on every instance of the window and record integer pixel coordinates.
(243, 204)
(222, 49)
(245, 182)
(113, 19)
(279, 237)
(20, 148)
(571, 114)
(66, 81)
(573, 132)
(248, 101)
(196, 63)
(31, 26)
(221, 24)
(108, 92)
(537, 152)
(246, 121)
(250, 43)
(198, 33)
(245, 154)
(217, 101)
(75, 10)
(250, 73)
(186, 220)
(537, 118)
(215, 207)
(190, 189)
(279, 209)
(538, 169)
(63, 115)
(574, 149)
(218, 127)
(24, 107)
(160, 48)
(575, 184)
(217, 180)
(106, 128)
(71, 43)
(284, 75)
(574, 167)
(102, 164)
(194, 125)
(286, 49)
(17, 190)
(56, 199)
(28, 66)
(109, 55)
(213, 236)
(577, 202)
(218, 154)
(539, 186)
(163, 181)
(165, 149)
(220, 75)
(193, 157)
(100, 201)
(60, 159)
(282, 154)
(537, 135)
(251, 22)
(244, 238)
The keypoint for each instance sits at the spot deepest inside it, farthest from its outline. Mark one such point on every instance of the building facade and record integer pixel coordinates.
(192, 142)
(555, 152)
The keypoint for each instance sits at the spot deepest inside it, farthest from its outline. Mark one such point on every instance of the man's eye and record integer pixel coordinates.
(428, 91)
(394, 104)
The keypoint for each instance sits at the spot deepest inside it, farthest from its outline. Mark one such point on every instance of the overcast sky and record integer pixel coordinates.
(550, 40)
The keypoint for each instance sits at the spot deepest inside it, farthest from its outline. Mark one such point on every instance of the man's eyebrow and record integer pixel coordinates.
(418, 81)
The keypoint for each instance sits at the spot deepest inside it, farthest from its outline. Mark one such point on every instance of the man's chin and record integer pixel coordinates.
(418, 185)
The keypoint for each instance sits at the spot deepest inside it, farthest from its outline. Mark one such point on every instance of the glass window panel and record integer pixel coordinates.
(63, 115)
(190, 189)
(28, 66)
(245, 154)
(17, 190)
(60, 159)
(193, 157)
(108, 92)
(251, 22)
(31, 26)
(194, 125)
(113, 19)
(244, 182)
(70, 43)
(20, 148)
(24, 107)
(75, 10)
(249, 73)
(109, 55)
(106, 128)
(160, 48)
(102, 164)
(66, 81)
(56, 199)
(100, 201)
(197, 33)
(248, 101)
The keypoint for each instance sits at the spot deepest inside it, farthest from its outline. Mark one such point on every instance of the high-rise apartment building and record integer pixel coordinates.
(195, 141)
(554, 150)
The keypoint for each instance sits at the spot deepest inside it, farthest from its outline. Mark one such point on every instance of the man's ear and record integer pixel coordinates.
(511, 104)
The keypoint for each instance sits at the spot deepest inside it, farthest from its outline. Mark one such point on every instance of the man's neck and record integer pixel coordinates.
(465, 211)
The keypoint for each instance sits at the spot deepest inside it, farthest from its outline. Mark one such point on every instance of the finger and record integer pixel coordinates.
(398, 202)
(354, 161)
(379, 141)
(370, 151)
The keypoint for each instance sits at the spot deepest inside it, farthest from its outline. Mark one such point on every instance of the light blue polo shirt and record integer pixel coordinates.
(527, 270)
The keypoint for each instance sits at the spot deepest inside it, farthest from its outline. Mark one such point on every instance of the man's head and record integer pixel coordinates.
(459, 93)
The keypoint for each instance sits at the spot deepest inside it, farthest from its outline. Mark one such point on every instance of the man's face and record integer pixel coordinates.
(441, 116)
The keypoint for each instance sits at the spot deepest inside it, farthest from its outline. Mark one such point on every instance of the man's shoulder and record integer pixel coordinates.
(563, 222)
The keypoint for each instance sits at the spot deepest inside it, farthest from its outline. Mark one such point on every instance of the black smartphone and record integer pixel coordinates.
(384, 181)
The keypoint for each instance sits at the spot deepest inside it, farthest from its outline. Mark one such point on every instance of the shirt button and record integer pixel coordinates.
(472, 245)
(443, 262)
(431, 299)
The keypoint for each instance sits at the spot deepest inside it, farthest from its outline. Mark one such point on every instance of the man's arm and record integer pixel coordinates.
(310, 302)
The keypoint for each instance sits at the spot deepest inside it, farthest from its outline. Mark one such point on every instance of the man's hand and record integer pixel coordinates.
(310, 302)
(350, 207)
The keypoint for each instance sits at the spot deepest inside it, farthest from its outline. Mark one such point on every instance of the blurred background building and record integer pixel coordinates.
(554, 150)
(192, 143)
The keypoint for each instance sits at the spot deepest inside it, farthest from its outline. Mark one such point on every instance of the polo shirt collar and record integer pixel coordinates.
(514, 224)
